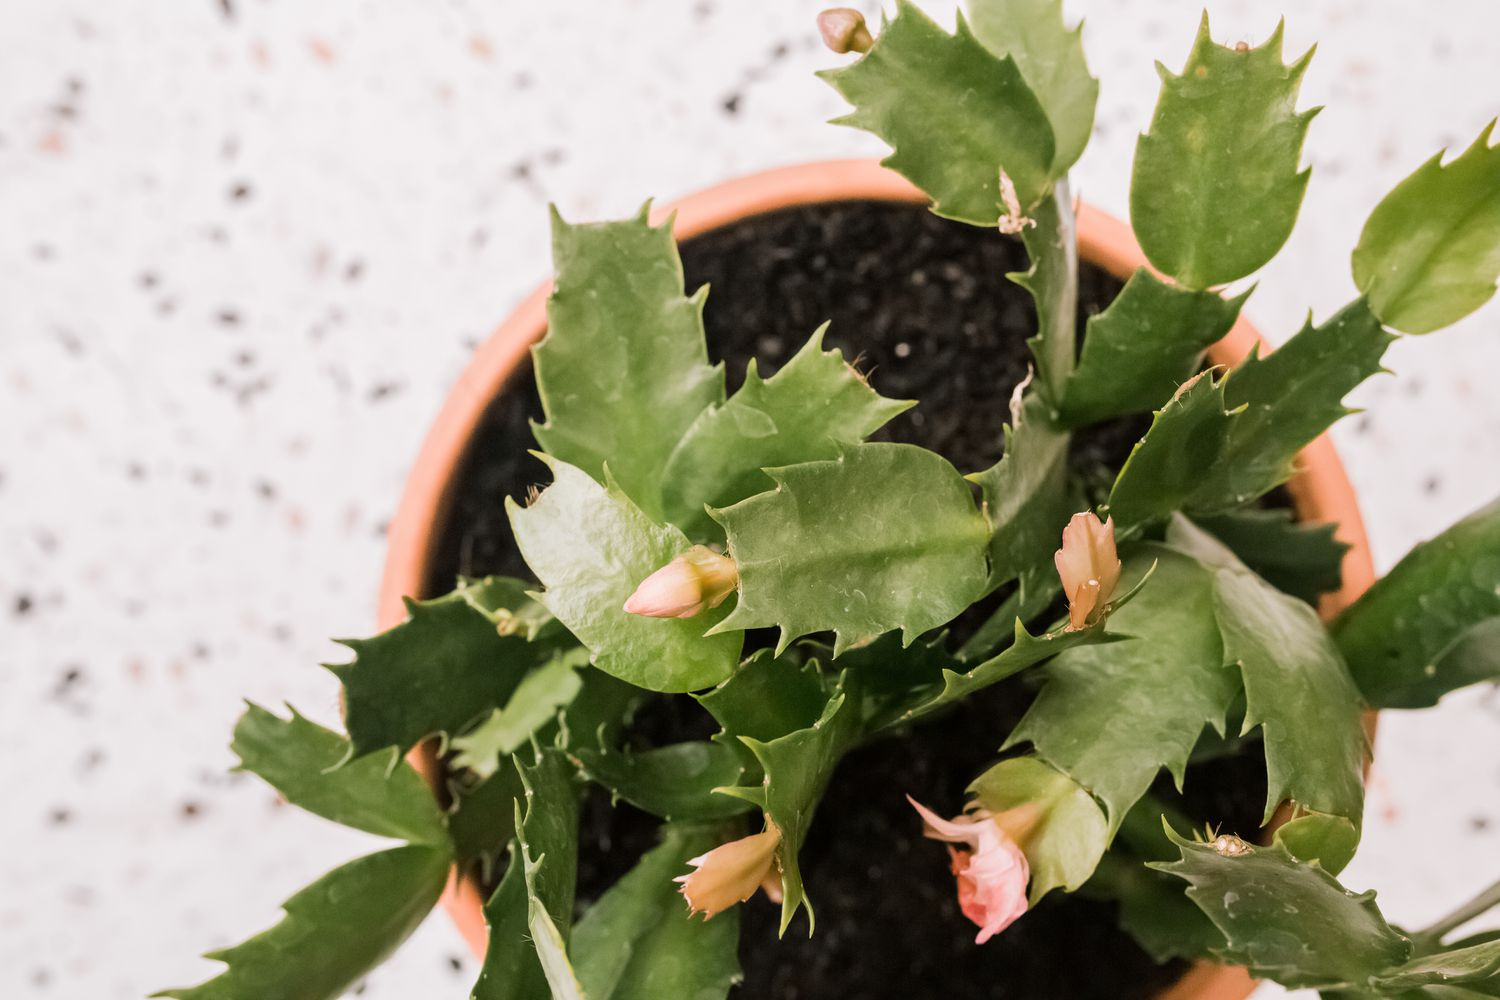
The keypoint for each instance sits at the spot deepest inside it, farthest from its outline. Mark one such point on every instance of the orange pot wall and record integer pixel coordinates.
(1321, 490)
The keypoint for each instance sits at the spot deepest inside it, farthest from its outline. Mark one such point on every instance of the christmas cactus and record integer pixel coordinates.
(757, 560)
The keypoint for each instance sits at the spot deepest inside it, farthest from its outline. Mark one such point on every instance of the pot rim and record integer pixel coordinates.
(1321, 490)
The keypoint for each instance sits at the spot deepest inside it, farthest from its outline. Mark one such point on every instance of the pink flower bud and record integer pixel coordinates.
(1089, 568)
(695, 581)
(992, 872)
(730, 873)
(843, 30)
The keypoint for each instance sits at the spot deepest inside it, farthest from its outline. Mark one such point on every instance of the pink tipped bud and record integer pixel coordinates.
(1089, 568)
(730, 873)
(692, 583)
(991, 870)
(843, 30)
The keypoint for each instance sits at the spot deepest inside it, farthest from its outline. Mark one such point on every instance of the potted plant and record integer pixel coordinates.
(775, 641)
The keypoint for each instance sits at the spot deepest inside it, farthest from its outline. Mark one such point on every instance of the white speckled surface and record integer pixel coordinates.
(246, 244)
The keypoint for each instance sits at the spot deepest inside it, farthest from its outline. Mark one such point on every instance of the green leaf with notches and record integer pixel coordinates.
(1069, 831)
(953, 113)
(814, 405)
(1412, 637)
(1217, 181)
(1477, 964)
(1111, 716)
(1026, 493)
(1300, 558)
(1167, 466)
(534, 704)
(1287, 919)
(797, 767)
(591, 547)
(1052, 281)
(675, 782)
(508, 603)
(623, 370)
(886, 536)
(638, 942)
(334, 931)
(1137, 352)
(1297, 690)
(1050, 55)
(435, 673)
(377, 794)
(1289, 397)
(1430, 252)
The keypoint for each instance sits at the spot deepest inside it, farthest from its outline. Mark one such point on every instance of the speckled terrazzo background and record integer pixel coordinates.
(245, 246)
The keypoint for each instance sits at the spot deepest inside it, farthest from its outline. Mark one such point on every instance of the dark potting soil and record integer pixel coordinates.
(925, 307)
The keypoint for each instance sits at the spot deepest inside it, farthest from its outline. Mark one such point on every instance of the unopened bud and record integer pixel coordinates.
(692, 583)
(730, 873)
(1089, 568)
(843, 30)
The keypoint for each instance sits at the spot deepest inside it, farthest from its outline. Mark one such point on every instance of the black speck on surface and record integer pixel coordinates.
(731, 104)
(925, 306)
(23, 605)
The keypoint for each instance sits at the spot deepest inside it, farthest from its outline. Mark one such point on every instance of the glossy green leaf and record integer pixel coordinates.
(334, 931)
(1050, 56)
(623, 370)
(1290, 396)
(1326, 839)
(1412, 637)
(531, 912)
(1300, 558)
(806, 411)
(1167, 466)
(1217, 181)
(1479, 963)
(376, 794)
(797, 768)
(535, 702)
(638, 942)
(1286, 919)
(1052, 281)
(953, 113)
(1148, 342)
(1112, 716)
(591, 547)
(482, 817)
(675, 782)
(1154, 910)
(1430, 252)
(1025, 650)
(1026, 493)
(1069, 831)
(1297, 687)
(437, 672)
(767, 697)
(886, 536)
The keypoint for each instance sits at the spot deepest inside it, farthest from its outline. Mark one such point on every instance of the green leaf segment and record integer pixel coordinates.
(1217, 181)
(954, 114)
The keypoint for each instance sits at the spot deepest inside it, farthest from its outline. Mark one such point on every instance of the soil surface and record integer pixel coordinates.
(925, 306)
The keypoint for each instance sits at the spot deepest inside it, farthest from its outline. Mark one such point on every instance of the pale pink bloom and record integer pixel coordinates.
(1089, 568)
(843, 30)
(992, 872)
(692, 583)
(730, 873)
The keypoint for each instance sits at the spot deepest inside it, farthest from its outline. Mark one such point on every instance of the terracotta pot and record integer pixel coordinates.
(1321, 490)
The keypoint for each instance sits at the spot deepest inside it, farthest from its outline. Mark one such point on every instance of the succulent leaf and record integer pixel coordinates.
(623, 370)
(1111, 716)
(377, 794)
(1026, 497)
(953, 113)
(806, 411)
(1429, 626)
(1052, 281)
(1051, 58)
(1475, 964)
(1300, 558)
(886, 536)
(675, 782)
(1068, 831)
(535, 703)
(1137, 352)
(1217, 181)
(638, 941)
(1287, 919)
(591, 546)
(508, 603)
(1430, 252)
(334, 931)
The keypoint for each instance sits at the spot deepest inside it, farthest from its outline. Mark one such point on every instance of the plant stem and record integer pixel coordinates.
(1480, 904)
